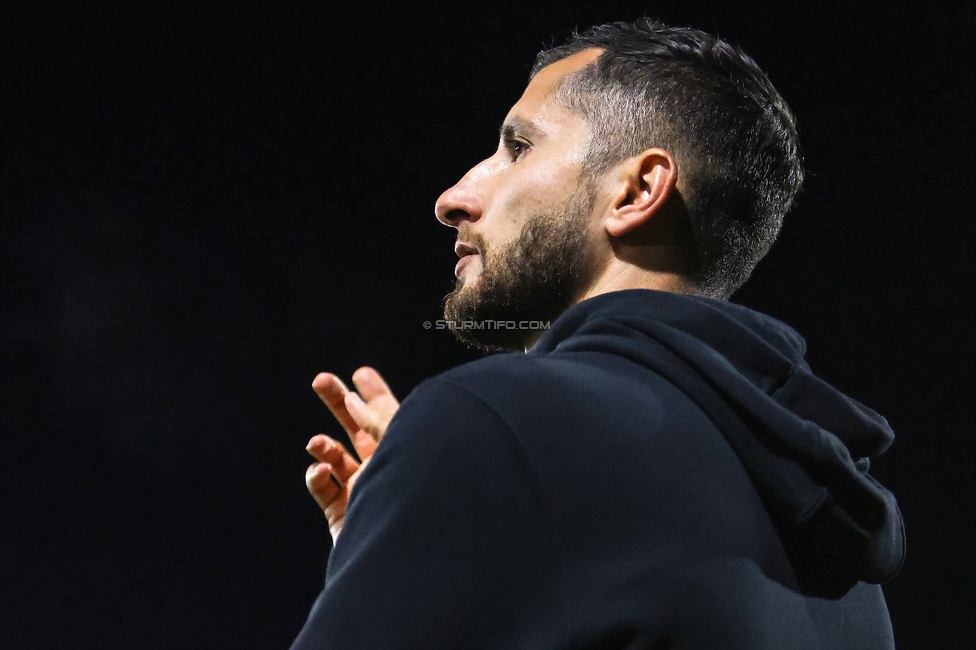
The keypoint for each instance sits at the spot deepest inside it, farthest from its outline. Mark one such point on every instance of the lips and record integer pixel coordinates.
(462, 249)
(467, 252)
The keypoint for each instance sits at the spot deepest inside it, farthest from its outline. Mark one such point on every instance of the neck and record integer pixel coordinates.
(620, 276)
(656, 267)
(635, 278)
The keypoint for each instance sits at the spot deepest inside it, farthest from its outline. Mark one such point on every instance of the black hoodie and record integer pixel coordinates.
(659, 471)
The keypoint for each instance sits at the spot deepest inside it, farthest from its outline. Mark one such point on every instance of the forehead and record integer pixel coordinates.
(537, 100)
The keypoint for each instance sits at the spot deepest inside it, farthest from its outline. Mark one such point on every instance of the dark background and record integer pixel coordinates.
(204, 206)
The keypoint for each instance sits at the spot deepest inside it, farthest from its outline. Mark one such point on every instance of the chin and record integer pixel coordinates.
(469, 283)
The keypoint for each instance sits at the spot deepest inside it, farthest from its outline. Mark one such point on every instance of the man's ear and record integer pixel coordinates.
(645, 182)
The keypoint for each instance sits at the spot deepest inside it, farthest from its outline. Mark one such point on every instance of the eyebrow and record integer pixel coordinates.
(520, 126)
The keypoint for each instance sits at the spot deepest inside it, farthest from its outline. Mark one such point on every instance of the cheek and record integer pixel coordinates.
(538, 186)
(504, 222)
(528, 190)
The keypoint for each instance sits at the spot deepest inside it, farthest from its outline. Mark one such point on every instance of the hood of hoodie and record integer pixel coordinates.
(805, 445)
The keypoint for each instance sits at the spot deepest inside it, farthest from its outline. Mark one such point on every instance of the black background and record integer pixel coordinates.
(204, 206)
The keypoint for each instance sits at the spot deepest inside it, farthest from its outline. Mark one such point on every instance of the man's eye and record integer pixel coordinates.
(516, 148)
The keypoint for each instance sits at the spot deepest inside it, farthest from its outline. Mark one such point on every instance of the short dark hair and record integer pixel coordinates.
(708, 104)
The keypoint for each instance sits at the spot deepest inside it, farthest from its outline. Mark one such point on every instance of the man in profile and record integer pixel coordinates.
(659, 469)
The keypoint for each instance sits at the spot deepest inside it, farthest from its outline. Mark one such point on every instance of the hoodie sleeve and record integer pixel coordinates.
(445, 542)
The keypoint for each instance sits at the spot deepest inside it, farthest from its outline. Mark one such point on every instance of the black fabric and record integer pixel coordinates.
(659, 471)
(805, 445)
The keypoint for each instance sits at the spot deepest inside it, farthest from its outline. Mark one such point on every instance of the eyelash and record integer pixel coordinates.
(516, 148)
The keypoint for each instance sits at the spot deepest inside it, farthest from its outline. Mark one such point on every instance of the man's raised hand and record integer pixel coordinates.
(365, 416)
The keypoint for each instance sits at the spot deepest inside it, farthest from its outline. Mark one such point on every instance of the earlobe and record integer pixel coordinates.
(648, 180)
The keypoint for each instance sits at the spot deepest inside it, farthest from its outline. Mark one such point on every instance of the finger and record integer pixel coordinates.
(364, 443)
(367, 418)
(321, 483)
(332, 391)
(336, 514)
(375, 392)
(330, 451)
(318, 480)
(370, 384)
(331, 498)
(355, 477)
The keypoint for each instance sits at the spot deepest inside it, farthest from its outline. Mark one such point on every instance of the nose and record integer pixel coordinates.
(463, 202)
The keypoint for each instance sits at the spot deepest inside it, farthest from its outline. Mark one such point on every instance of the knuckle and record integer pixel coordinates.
(334, 453)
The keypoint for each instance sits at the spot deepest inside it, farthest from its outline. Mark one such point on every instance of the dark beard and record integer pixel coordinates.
(536, 277)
